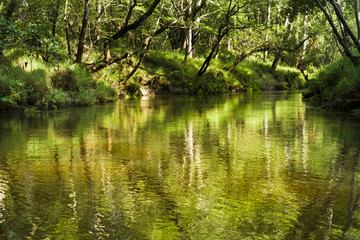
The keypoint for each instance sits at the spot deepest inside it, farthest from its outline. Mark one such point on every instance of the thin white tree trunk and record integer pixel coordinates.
(267, 31)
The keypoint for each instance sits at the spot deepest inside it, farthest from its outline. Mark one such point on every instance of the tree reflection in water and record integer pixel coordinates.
(251, 166)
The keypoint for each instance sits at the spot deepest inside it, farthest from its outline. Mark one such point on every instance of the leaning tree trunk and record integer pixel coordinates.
(347, 51)
(345, 24)
(237, 61)
(85, 20)
(206, 63)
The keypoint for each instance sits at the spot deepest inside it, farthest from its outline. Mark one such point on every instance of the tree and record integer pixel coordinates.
(85, 20)
(223, 30)
(124, 28)
(342, 39)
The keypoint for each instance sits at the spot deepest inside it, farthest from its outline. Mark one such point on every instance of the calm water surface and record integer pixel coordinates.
(252, 166)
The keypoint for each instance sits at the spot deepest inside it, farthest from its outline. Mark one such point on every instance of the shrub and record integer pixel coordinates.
(64, 79)
(104, 93)
(84, 79)
(35, 86)
(336, 86)
(84, 97)
(133, 89)
(57, 98)
(21, 88)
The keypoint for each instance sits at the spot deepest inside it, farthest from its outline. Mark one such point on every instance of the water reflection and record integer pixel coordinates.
(253, 166)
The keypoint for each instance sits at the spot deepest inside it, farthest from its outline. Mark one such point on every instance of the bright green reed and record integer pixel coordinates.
(250, 166)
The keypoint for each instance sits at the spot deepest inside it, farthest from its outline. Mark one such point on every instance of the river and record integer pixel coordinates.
(250, 166)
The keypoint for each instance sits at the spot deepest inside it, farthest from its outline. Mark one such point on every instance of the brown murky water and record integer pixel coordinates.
(252, 166)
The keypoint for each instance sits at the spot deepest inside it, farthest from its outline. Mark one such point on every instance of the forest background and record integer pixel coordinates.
(81, 52)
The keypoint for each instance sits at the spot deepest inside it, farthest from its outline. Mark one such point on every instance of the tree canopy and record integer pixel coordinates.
(99, 31)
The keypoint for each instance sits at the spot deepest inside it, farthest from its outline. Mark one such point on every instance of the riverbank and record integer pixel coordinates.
(336, 86)
(27, 82)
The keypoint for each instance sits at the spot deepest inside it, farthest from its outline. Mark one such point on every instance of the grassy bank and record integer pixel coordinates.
(336, 86)
(168, 73)
(27, 82)
(178, 77)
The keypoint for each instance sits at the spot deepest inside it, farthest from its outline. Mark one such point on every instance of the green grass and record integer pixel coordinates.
(179, 77)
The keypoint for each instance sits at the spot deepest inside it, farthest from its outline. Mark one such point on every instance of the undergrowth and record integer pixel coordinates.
(180, 77)
(29, 82)
(336, 86)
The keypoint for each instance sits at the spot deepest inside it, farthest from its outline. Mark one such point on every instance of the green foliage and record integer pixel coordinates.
(84, 97)
(57, 98)
(84, 80)
(336, 86)
(82, 86)
(209, 83)
(64, 79)
(181, 77)
(20, 88)
(105, 93)
(36, 87)
(34, 37)
(133, 89)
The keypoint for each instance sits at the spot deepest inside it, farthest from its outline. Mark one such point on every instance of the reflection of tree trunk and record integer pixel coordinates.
(354, 202)
(319, 222)
(57, 166)
(337, 177)
(88, 173)
(72, 195)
